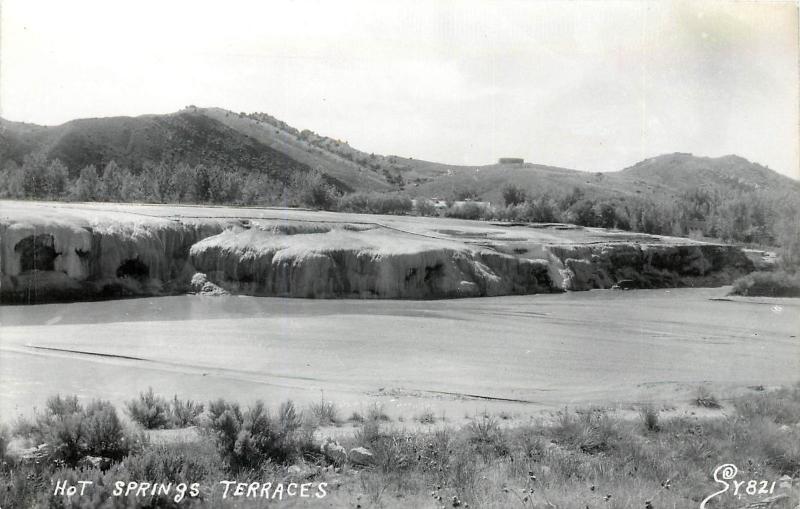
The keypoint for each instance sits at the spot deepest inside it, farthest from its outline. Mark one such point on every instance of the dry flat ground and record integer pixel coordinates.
(517, 355)
(469, 232)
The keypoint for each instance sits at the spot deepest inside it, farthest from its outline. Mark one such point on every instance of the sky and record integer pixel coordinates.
(594, 86)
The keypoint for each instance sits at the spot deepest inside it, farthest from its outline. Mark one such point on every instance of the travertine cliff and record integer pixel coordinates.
(80, 252)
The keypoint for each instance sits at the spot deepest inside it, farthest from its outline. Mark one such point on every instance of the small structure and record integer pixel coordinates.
(511, 160)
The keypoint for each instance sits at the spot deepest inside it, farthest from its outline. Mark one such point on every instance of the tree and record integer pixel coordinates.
(132, 189)
(113, 180)
(607, 215)
(87, 185)
(11, 181)
(57, 179)
(34, 175)
(311, 189)
(513, 195)
(158, 182)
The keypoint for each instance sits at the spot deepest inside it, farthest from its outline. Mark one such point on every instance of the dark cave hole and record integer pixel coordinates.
(37, 252)
(133, 268)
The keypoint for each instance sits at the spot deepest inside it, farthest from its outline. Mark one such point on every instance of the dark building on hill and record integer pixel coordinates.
(511, 160)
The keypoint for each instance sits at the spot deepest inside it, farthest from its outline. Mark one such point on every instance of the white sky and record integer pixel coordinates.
(588, 85)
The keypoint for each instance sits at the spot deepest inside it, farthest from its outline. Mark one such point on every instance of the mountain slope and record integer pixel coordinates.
(682, 171)
(261, 143)
(286, 140)
(660, 178)
(183, 137)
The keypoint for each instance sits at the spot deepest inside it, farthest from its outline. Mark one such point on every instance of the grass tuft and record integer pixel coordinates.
(704, 398)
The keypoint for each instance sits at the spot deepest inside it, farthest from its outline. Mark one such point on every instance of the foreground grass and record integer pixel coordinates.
(587, 458)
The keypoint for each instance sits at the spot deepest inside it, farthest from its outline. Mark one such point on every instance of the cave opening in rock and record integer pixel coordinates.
(36, 252)
(433, 272)
(133, 268)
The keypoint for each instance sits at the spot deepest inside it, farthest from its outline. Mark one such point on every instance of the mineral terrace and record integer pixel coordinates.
(69, 251)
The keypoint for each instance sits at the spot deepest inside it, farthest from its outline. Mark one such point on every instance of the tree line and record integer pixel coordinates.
(757, 217)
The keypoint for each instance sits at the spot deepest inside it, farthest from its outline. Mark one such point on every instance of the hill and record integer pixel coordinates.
(184, 137)
(261, 143)
(681, 171)
(254, 142)
(661, 178)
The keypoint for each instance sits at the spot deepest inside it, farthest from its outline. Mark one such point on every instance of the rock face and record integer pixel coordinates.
(366, 264)
(84, 252)
(64, 257)
(650, 265)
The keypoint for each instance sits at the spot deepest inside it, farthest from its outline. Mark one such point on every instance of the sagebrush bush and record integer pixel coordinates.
(704, 398)
(105, 435)
(485, 434)
(376, 413)
(177, 462)
(247, 439)
(426, 417)
(325, 412)
(768, 284)
(649, 417)
(150, 410)
(72, 432)
(185, 413)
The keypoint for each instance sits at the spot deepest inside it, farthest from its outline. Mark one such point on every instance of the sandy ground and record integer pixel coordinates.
(455, 358)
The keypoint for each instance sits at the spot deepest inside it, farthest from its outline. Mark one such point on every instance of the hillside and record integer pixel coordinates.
(184, 137)
(680, 172)
(661, 178)
(261, 143)
(212, 136)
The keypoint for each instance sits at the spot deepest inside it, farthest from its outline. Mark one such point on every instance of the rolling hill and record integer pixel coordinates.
(261, 143)
(659, 178)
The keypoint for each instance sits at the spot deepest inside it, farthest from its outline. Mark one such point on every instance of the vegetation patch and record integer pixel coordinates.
(577, 458)
(768, 284)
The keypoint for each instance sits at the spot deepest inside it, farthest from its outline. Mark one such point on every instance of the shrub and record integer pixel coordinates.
(649, 416)
(394, 451)
(781, 406)
(312, 190)
(105, 435)
(376, 413)
(375, 203)
(325, 413)
(185, 413)
(426, 417)
(485, 434)
(425, 208)
(175, 462)
(591, 432)
(768, 284)
(72, 432)
(247, 439)
(703, 398)
(150, 410)
(467, 210)
(5, 438)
